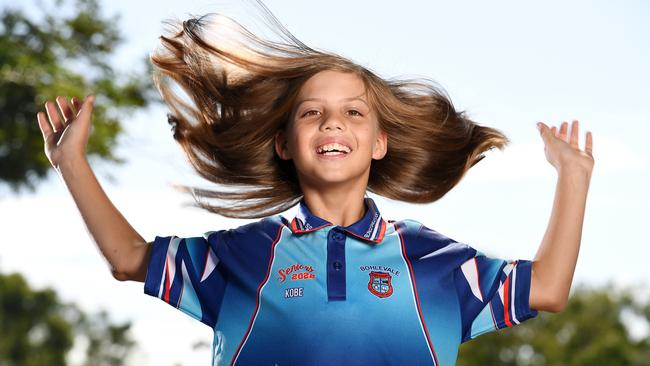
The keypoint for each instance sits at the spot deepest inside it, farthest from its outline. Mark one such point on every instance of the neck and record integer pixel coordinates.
(341, 207)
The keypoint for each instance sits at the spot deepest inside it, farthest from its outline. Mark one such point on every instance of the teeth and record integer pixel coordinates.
(334, 146)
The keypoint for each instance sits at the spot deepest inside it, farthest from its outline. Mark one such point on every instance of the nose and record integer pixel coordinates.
(332, 122)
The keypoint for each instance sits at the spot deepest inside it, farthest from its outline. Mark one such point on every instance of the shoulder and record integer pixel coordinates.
(417, 229)
(426, 239)
(267, 227)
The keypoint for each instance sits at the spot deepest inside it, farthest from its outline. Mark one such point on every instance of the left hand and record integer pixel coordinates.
(562, 149)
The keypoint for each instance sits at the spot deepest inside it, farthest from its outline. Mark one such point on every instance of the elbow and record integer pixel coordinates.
(547, 294)
(120, 275)
(558, 305)
(554, 304)
(134, 266)
(543, 298)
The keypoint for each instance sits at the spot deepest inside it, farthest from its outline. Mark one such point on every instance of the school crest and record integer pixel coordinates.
(380, 284)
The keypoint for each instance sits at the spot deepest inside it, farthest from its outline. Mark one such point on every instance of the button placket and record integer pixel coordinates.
(336, 259)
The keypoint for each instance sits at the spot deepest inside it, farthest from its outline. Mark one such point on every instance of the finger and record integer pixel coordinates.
(573, 140)
(589, 144)
(563, 130)
(65, 109)
(86, 108)
(544, 131)
(53, 115)
(44, 124)
(77, 105)
(554, 131)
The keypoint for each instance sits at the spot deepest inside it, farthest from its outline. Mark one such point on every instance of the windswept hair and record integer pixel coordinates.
(240, 89)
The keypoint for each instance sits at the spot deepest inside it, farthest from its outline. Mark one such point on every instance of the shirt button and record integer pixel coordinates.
(337, 265)
(337, 236)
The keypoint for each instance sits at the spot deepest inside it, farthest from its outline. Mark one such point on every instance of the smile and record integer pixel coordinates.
(332, 155)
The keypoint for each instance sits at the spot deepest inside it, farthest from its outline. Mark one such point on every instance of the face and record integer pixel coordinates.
(332, 104)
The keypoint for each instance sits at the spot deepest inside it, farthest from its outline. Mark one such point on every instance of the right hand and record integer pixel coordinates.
(67, 138)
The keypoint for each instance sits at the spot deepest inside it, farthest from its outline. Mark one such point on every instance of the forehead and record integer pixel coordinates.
(332, 85)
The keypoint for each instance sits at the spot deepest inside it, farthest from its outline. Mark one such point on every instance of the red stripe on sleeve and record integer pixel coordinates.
(167, 282)
(506, 302)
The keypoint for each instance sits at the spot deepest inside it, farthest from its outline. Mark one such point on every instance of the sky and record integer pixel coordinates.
(508, 64)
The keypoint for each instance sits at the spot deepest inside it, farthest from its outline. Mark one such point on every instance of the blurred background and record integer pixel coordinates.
(508, 64)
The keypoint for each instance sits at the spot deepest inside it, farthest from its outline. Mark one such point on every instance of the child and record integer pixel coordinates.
(337, 283)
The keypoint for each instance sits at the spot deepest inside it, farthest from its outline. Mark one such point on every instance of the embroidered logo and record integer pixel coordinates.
(297, 271)
(380, 284)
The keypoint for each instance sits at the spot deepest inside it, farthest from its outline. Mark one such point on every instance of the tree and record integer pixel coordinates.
(590, 331)
(38, 329)
(60, 55)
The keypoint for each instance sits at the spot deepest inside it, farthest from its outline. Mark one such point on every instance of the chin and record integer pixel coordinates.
(338, 177)
(334, 174)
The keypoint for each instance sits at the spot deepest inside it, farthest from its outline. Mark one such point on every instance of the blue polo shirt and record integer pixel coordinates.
(308, 292)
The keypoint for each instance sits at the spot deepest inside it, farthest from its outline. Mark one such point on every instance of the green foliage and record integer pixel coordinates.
(34, 331)
(38, 329)
(589, 331)
(107, 344)
(65, 55)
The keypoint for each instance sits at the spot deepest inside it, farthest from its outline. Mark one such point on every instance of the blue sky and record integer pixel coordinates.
(508, 64)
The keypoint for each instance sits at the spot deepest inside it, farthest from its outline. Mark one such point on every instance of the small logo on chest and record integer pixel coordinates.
(295, 272)
(380, 282)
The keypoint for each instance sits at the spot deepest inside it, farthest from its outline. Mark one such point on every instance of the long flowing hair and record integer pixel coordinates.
(239, 89)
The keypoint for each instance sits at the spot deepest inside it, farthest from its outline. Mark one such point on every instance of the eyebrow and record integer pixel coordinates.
(322, 100)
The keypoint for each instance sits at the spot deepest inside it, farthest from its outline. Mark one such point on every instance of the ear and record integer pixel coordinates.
(281, 145)
(381, 145)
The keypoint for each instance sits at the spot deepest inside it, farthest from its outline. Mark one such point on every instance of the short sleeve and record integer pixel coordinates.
(185, 273)
(493, 294)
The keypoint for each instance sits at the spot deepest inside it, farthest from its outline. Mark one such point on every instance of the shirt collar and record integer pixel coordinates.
(371, 227)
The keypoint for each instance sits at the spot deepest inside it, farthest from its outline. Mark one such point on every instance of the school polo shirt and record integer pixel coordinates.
(308, 292)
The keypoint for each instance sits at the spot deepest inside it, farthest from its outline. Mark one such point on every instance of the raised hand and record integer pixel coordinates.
(66, 138)
(555, 262)
(562, 150)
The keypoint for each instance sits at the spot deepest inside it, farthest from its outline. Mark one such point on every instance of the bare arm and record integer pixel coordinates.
(555, 262)
(126, 251)
(554, 265)
(65, 141)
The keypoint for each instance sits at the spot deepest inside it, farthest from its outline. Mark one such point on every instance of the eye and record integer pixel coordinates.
(351, 110)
